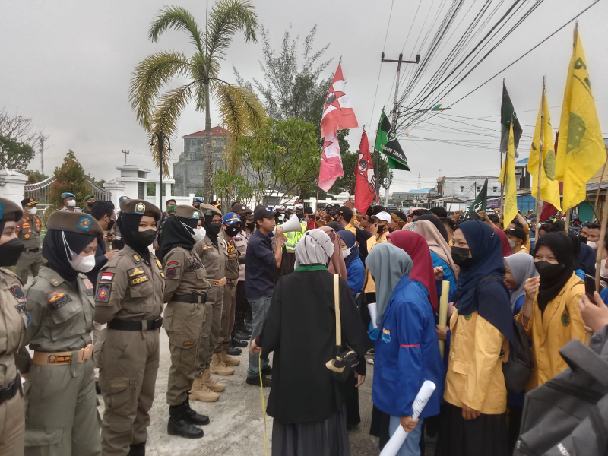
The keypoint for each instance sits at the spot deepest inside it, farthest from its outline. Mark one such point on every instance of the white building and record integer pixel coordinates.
(138, 182)
(466, 188)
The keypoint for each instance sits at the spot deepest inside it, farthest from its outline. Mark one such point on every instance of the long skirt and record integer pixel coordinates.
(485, 435)
(324, 438)
(351, 398)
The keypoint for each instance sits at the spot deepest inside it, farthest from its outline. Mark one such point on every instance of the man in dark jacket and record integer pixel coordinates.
(103, 212)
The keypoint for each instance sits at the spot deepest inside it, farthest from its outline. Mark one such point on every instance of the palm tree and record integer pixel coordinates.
(158, 112)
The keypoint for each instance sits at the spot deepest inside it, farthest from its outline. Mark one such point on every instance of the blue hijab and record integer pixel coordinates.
(350, 240)
(489, 298)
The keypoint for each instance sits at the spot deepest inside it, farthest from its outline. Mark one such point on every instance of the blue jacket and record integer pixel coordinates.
(356, 276)
(407, 352)
(448, 275)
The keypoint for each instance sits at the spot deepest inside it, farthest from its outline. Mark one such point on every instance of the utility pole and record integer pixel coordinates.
(42, 154)
(395, 113)
(125, 153)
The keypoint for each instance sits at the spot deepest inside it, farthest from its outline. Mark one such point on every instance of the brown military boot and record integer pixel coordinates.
(218, 367)
(230, 361)
(210, 382)
(202, 393)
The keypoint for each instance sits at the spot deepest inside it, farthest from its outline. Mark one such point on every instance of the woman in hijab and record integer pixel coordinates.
(551, 313)
(354, 266)
(473, 419)
(307, 403)
(436, 221)
(407, 351)
(518, 269)
(443, 264)
(337, 264)
(61, 415)
(391, 264)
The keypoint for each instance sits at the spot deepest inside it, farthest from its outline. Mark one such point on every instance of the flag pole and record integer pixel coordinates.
(541, 144)
(599, 189)
(600, 248)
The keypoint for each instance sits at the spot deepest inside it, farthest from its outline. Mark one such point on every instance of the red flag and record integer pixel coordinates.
(331, 163)
(337, 112)
(365, 192)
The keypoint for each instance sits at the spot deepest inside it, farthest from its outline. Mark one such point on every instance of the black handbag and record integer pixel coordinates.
(343, 364)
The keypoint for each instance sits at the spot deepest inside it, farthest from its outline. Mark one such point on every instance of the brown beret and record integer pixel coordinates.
(139, 207)
(9, 211)
(206, 208)
(187, 211)
(29, 202)
(76, 222)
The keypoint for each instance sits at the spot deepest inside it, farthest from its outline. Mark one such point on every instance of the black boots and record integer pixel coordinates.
(137, 449)
(194, 417)
(180, 423)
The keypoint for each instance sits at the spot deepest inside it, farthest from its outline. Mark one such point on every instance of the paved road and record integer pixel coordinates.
(237, 426)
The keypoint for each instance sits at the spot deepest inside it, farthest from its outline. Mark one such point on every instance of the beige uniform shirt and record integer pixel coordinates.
(232, 256)
(28, 230)
(214, 258)
(184, 273)
(129, 288)
(61, 312)
(12, 324)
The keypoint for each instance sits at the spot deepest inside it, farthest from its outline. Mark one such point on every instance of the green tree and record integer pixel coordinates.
(281, 156)
(15, 154)
(34, 176)
(69, 177)
(17, 141)
(292, 86)
(158, 112)
(231, 187)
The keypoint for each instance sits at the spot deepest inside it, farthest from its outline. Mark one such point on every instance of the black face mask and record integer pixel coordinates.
(145, 238)
(548, 271)
(111, 224)
(461, 256)
(232, 230)
(214, 228)
(9, 252)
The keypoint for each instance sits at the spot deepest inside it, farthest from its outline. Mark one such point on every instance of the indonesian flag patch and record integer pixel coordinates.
(106, 276)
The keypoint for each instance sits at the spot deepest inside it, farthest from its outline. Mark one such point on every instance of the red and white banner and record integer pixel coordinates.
(365, 182)
(338, 114)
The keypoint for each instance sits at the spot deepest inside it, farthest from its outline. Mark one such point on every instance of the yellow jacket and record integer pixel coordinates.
(555, 327)
(474, 376)
(370, 285)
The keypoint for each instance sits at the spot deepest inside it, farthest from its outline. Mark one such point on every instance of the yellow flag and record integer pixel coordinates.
(580, 150)
(549, 186)
(507, 179)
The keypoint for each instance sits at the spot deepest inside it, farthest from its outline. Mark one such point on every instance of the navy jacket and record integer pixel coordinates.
(407, 352)
(260, 266)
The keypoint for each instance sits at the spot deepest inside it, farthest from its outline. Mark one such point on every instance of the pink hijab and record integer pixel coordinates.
(433, 238)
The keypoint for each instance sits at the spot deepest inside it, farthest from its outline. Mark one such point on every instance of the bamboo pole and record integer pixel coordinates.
(600, 247)
(541, 143)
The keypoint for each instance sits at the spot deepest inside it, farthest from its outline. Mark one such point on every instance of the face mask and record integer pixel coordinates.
(512, 243)
(548, 271)
(10, 252)
(345, 253)
(71, 203)
(214, 228)
(171, 208)
(232, 231)
(199, 234)
(592, 244)
(111, 224)
(81, 263)
(32, 211)
(146, 237)
(461, 256)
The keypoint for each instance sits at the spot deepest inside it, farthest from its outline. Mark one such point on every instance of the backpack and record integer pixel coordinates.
(568, 415)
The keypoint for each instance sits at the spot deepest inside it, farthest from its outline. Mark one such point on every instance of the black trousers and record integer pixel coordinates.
(243, 308)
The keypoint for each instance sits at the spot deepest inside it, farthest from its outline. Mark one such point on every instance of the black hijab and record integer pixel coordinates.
(209, 230)
(563, 249)
(56, 252)
(480, 284)
(177, 232)
(435, 221)
(129, 228)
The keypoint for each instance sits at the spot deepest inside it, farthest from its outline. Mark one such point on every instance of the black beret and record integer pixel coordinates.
(9, 211)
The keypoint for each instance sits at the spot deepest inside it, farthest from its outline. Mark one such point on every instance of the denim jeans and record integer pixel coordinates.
(259, 310)
(411, 446)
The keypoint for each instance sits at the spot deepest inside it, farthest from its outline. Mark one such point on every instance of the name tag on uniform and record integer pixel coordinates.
(139, 280)
(136, 272)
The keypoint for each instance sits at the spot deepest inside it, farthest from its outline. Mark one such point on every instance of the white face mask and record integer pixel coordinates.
(199, 234)
(71, 203)
(82, 263)
(32, 211)
(345, 253)
(592, 244)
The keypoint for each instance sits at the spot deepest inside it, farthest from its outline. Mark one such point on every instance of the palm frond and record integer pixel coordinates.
(176, 18)
(148, 78)
(226, 18)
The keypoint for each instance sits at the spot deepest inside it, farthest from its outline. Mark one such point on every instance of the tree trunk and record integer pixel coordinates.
(208, 171)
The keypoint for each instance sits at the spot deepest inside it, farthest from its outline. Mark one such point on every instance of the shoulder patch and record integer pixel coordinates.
(172, 272)
(158, 263)
(57, 300)
(104, 290)
(172, 262)
(136, 258)
(18, 293)
(106, 276)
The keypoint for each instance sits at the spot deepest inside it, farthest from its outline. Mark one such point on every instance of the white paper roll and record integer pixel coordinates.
(373, 314)
(398, 438)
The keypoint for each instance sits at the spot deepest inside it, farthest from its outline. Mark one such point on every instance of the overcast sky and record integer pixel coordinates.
(67, 64)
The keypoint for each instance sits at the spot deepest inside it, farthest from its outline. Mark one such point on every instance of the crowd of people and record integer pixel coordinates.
(315, 296)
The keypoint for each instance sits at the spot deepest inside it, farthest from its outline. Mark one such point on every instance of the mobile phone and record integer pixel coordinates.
(590, 287)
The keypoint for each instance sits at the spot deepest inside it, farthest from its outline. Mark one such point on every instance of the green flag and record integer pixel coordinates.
(480, 202)
(507, 113)
(388, 145)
